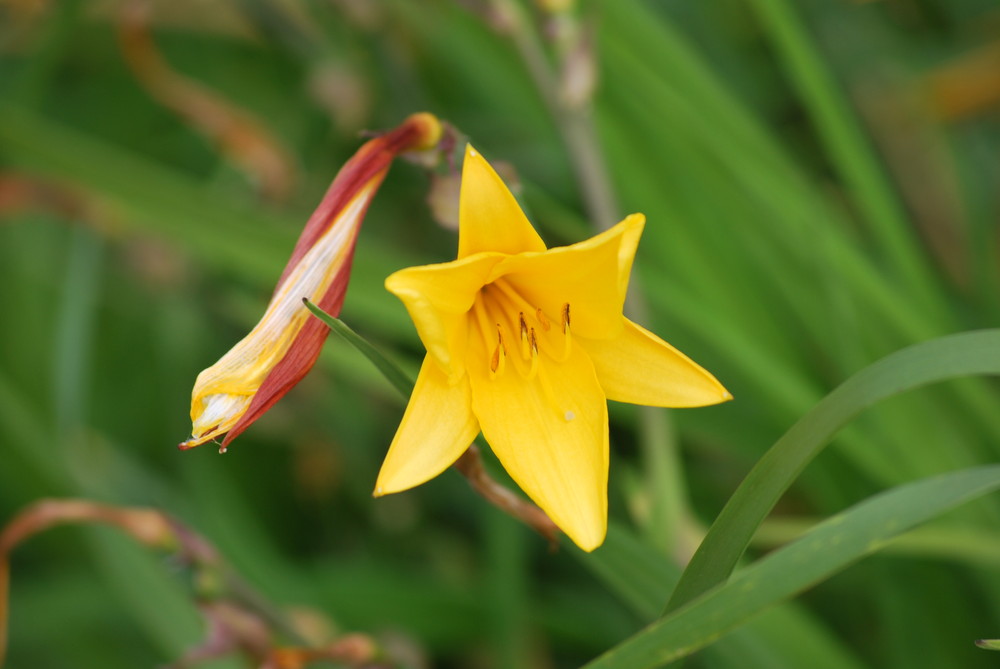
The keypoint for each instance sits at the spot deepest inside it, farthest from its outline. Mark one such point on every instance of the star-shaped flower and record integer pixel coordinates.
(526, 344)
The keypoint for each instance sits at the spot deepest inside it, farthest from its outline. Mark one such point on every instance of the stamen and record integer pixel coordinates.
(533, 370)
(482, 320)
(567, 339)
(540, 315)
(514, 301)
(525, 344)
(499, 359)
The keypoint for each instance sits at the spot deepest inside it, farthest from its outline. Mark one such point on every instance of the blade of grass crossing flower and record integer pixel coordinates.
(396, 376)
(967, 354)
(835, 544)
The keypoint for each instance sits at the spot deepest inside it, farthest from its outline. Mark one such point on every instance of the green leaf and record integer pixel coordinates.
(950, 357)
(396, 376)
(833, 545)
(989, 644)
(848, 147)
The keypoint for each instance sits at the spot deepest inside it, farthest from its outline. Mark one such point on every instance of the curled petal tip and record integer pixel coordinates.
(428, 127)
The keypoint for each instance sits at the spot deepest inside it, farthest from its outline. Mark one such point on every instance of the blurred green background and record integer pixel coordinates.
(821, 184)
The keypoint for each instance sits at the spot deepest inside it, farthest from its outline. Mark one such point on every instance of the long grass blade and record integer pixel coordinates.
(835, 544)
(966, 354)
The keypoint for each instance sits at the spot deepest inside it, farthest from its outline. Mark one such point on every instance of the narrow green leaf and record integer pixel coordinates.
(835, 544)
(640, 577)
(969, 545)
(849, 150)
(989, 644)
(965, 354)
(396, 376)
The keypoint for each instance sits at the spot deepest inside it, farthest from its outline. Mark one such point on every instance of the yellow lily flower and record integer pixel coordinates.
(526, 344)
(267, 363)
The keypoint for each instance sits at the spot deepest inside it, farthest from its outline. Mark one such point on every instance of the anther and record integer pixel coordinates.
(525, 344)
(567, 339)
(499, 357)
(533, 342)
(540, 315)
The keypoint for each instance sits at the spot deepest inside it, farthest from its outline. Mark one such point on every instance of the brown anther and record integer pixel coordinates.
(565, 318)
(524, 325)
(540, 315)
(499, 353)
(533, 342)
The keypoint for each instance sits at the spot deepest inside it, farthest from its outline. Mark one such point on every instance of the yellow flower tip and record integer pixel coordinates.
(590, 539)
(396, 283)
(391, 482)
(429, 127)
(383, 488)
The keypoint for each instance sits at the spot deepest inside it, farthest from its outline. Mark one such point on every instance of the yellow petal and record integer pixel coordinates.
(438, 298)
(489, 218)
(551, 435)
(437, 427)
(592, 277)
(640, 368)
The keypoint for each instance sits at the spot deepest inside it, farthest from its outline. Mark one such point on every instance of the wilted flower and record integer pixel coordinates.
(280, 350)
(526, 344)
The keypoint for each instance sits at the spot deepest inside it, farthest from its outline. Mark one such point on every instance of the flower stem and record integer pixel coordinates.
(671, 523)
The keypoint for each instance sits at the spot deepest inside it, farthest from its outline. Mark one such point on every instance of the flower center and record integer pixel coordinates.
(502, 314)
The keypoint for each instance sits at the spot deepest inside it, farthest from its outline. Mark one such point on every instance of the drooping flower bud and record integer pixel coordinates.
(284, 345)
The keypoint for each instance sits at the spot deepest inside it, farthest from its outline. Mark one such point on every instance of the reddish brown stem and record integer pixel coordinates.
(471, 467)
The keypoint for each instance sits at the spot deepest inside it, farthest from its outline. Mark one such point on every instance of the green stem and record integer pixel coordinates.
(671, 519)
